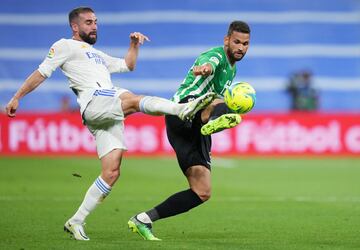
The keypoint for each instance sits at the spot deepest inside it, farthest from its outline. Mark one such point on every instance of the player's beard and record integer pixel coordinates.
(232, 57)
(86, 37)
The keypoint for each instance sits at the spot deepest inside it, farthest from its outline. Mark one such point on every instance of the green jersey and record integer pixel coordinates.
(222, 76)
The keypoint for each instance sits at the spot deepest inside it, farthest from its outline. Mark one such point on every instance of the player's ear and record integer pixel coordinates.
(226, 40)
(75, 27)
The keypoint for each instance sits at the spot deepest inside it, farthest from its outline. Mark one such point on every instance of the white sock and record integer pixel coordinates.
(94, 196)
(144, 218)
(153, 105)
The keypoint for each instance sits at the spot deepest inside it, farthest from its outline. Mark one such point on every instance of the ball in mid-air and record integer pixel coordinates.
(240, 97)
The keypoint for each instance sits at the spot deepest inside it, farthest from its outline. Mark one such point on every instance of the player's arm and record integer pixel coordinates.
(136, 39)
(207, 64)
(203, 70)
(58, 54)
(31, 83)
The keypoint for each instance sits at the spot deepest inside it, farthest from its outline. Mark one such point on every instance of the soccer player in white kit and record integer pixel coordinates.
(103, 107)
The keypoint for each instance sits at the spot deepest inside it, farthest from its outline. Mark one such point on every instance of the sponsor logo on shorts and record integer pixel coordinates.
(105, 92)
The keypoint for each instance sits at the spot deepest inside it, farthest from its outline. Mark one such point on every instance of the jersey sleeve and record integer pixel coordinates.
(114, 64)
(58, 54)
(211, 57)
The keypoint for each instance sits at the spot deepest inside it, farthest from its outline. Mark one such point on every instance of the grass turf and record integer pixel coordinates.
(257, 203)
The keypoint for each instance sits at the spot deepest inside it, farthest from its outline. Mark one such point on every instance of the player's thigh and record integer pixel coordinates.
(108, 137)
(104, 108)
(190, 146)
(130, 103)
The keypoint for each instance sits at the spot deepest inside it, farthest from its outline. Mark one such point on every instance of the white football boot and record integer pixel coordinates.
(192, 107)
(76, 230)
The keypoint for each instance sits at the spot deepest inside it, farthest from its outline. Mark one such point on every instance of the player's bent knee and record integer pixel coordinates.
(204, 195)
(130, 102)
(114, 174)
(110, 176)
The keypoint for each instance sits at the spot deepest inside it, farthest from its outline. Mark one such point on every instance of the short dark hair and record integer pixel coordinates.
(77, 11)
(238, 26)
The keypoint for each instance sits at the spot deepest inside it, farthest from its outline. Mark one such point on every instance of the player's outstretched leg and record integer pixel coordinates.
(224, 121)
(76, 230)
(194, 106)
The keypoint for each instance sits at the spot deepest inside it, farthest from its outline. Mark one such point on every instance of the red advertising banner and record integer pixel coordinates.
(258, 134)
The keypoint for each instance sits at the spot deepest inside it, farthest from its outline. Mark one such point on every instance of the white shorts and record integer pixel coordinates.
(104, 118)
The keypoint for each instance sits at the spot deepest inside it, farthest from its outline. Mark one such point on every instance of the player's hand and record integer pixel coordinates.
(138, 38)
(11, 107)
(203, 70)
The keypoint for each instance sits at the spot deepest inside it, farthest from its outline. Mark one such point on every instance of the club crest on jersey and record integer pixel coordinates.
(51, 53)
(215, 60)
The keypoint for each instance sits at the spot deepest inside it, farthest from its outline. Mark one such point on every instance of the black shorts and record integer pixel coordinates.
(191, 147)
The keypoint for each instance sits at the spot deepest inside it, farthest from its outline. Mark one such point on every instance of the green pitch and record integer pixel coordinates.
(257, 203)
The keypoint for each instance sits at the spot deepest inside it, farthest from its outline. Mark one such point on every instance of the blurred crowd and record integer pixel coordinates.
(304, 96)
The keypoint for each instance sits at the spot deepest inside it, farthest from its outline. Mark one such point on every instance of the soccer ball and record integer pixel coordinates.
(240, 97)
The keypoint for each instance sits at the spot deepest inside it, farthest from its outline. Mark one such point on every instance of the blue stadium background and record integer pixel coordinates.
(287, 36)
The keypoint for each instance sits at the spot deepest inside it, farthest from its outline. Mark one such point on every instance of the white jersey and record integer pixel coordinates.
(86, 68)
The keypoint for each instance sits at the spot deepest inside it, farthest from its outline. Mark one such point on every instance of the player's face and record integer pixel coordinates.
(87, 27)
(236, 46)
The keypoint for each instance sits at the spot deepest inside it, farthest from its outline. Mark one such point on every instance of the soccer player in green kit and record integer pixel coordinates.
(213, 71)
